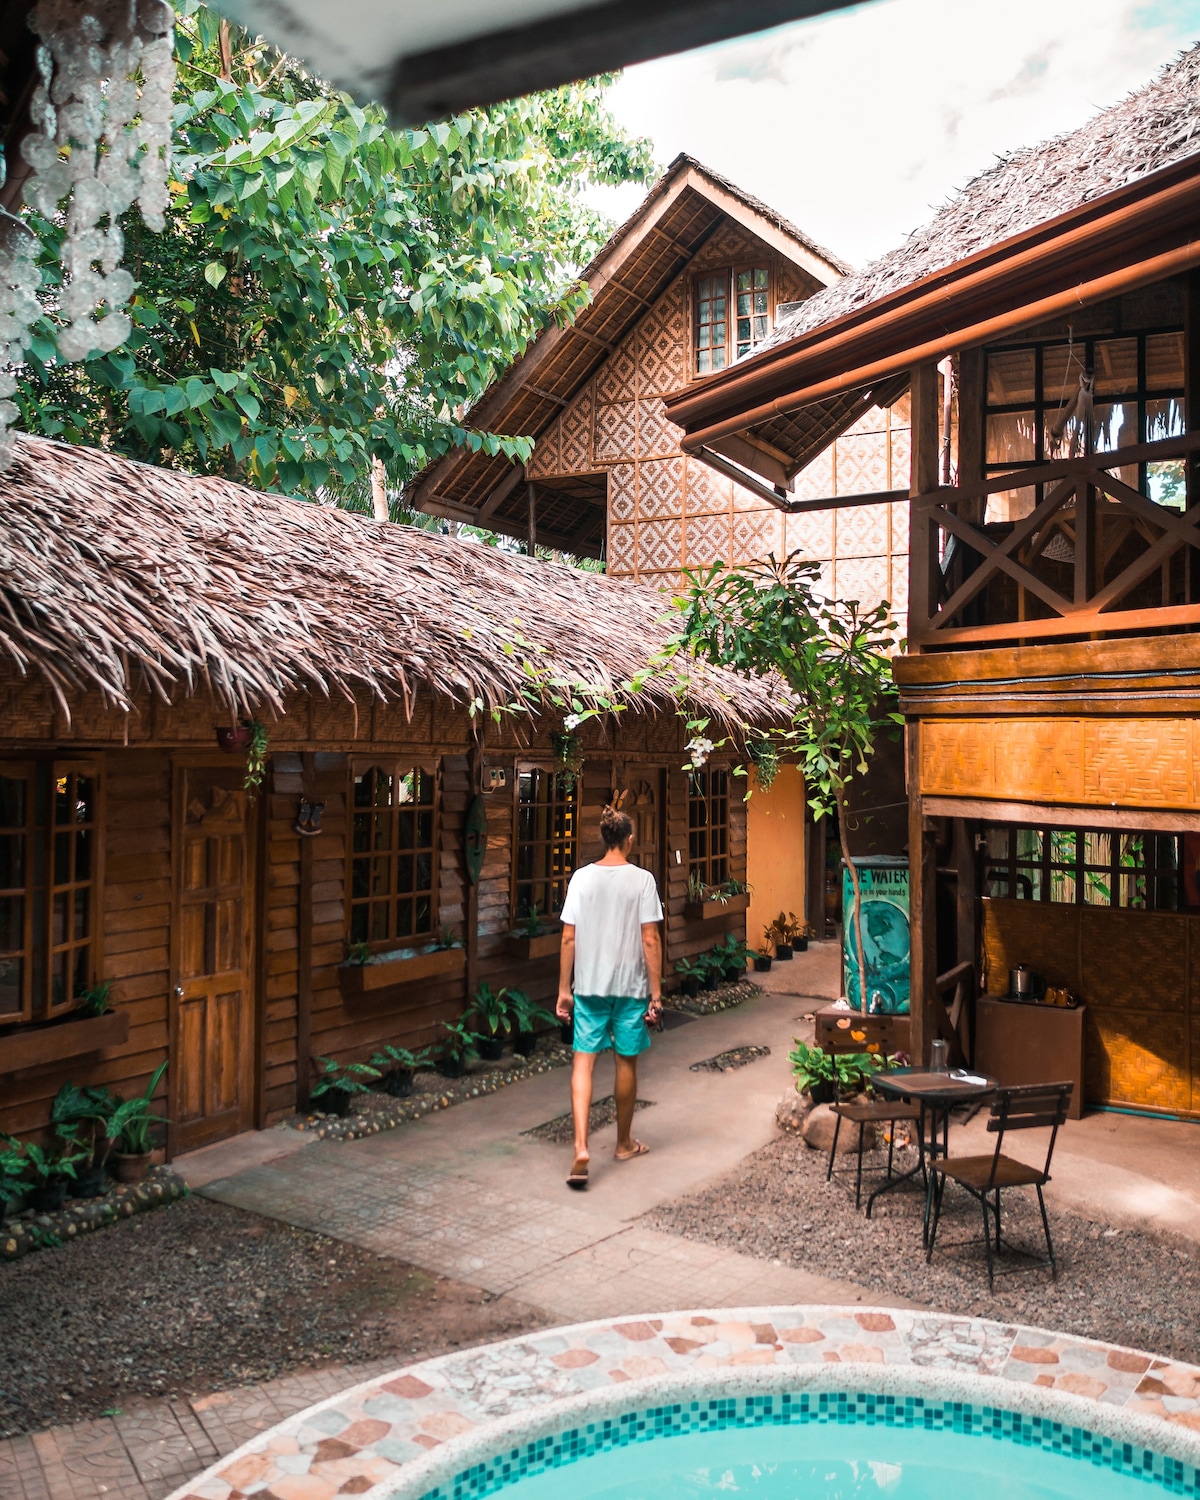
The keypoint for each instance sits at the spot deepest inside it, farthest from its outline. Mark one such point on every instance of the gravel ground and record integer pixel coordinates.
(1113, 1283)
(710, 1002)
(735, 1057)
(201, 1297)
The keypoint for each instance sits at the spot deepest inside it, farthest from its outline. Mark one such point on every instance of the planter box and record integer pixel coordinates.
(848, 1029)
(58, 1040)
(400, 968)
(545, 945)
(707, 911)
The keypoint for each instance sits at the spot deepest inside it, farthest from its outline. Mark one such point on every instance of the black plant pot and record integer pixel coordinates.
(783, 951)
(822, 1092)
(452, 1067)
(566, 1032)
(89, 1184)
(398, 1083)
(525, 1043)
(708, 982)
(733, 975)
(49, 1197)
(689, 987)
(762, 965)
(335, 1102)
(491, 1048)
(801, 945)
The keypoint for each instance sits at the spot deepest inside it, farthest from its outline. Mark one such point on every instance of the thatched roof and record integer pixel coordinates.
(115, 575)
(1157, 125)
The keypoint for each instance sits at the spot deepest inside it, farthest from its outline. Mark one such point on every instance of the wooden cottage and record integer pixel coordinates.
(697, 278)
(147, 618)
(1052, 680)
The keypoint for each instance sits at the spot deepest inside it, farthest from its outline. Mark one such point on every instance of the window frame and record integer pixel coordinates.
(40, 887)
(1052, 869)
(395, 767)
(554, 773)
(704, 863)
(730, 273)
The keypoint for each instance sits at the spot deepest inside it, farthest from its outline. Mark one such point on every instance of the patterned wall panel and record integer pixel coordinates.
(660, 544)
(707, 491)
(811, 532)
(862, 462)
(656, 436)
(1149, 763)
(618, 375)
(576, 434)
(862, 578)
(708, 540)
(861, 531)
(660, 489)
(616, 432)
(622, 493)
(757, 534)
(662, 345)
(956, 758)
(622, 548)
(545, 458)
(1038, 759)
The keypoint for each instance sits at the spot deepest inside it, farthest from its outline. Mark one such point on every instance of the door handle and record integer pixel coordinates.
(179, 990)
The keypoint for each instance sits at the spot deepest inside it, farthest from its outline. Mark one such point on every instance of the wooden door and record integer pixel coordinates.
(212, 1053)
(644, 801)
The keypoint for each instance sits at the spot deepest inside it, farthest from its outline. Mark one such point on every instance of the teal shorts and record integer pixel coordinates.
(616, 1021)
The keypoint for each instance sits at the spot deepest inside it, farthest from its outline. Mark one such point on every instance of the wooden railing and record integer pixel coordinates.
(977, 582)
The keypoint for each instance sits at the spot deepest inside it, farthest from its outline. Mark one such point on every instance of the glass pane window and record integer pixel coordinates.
(753, 308)
(393, 855)
(732, 315)
(1087, 867)
(547, 846)
(708, 826)
(1053, 401)
(712, 322)
(73, 799)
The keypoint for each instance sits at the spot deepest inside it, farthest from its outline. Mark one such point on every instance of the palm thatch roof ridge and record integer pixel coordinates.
(1154, 127)
(117, 575)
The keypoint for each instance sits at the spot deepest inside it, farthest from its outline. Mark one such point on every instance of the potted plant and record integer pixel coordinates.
(81, 1116)
(13, 1183)
(460, 1046)
(340, 1083)
(762, 961)
(778, 935)
(49, 1172)
(492, 1010)
(94, 1001)
(129, 1131)
(363, 971)
(824, 1075)
(397, 1066)
(709, 971)
(533, 937)
(446, 939)
(691, 976)
(526, 1015)
(730, 954)
(707, 901)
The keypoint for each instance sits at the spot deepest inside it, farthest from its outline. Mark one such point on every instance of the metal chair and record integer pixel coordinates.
(863, 1113)
(1035, 1106)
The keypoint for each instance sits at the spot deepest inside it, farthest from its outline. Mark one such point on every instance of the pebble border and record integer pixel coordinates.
(726, 1062)
(711, 1002)
(403, 1434)
(20, 1237)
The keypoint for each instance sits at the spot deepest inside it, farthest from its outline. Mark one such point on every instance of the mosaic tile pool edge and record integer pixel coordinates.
(823, 1408)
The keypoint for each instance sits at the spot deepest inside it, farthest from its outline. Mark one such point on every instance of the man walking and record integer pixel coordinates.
(611, 943)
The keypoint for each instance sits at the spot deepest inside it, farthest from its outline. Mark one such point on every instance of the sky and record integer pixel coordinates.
(859, 125)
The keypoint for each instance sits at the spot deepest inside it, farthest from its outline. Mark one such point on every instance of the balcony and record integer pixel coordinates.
(1095, 557)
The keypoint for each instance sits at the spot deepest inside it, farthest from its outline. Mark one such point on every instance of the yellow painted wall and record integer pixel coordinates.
(775, 851)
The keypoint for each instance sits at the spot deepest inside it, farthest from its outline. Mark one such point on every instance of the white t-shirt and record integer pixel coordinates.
(606, 905)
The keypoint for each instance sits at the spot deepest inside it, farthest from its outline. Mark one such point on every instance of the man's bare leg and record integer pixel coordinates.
(582, 1068)
(626, 1096)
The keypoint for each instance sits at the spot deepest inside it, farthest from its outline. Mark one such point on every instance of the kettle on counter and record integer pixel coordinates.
(1024, 984)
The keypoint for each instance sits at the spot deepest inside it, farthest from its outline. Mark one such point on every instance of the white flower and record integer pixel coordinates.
(699, 749)
(572, 722)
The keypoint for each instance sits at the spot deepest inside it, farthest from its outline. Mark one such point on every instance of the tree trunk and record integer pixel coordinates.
(379, 499)
(843, 839)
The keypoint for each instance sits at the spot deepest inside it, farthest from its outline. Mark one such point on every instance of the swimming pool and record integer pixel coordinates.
(821, 1445)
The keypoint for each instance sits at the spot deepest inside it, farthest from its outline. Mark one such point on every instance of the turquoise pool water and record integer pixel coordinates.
(823, 1447)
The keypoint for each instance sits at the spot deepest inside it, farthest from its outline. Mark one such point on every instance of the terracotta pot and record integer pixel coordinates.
(234, 739)
(127, 1167)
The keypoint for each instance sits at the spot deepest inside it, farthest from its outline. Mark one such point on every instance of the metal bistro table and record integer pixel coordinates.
(937, 1094)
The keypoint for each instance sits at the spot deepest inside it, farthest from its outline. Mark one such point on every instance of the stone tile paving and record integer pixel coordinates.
(365, 1436)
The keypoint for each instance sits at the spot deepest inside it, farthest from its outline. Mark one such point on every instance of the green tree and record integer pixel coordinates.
(832, 661)
(328, 291)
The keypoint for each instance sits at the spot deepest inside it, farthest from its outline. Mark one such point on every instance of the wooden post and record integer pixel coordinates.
(970, 426)
(531, 497)
(304, 944)
(923, 567)
(922, 902)
(1191, 386)
(471, 905)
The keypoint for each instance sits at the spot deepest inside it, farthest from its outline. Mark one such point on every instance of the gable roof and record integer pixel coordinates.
(1078, 184)
(683, 209)
(119, 576)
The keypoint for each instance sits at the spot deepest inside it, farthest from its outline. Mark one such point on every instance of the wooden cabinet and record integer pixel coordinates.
(1017, 1043)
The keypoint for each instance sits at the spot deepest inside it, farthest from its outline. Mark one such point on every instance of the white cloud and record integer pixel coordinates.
(858, 125)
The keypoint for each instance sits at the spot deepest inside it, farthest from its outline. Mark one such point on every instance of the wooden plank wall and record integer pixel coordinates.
(302, 899)
(1139, 975)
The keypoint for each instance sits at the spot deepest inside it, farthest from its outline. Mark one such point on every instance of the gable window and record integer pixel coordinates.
(708, 826)
(48, 881)
(393, 864)
(1050, 401)
(547, 845)
(732, 315)
(1085, 867)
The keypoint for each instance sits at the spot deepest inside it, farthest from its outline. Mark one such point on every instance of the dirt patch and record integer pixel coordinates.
(201, 1297)
(561, 1130)
(1114, 1284)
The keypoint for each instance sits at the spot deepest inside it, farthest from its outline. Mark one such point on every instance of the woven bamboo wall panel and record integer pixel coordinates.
(1090, 762)
(1134, 960)
(660, 489)
(708, 540)
(616, 432)
(622, 548)
(708, 493)
(656, 437)
(575, 440)
(1037, 933)
(545, 460)
(1137, 1059)
(622, 496)
(618, 375)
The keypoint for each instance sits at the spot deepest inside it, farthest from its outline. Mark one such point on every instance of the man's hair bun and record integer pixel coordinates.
(615, 827)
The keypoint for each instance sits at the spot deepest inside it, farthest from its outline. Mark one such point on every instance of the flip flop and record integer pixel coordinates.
(579, 1177)
(639, 1149)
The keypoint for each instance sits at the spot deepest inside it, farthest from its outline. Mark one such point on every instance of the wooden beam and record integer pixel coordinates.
(965, 894)
(1062, 815)
(501, 493)
(970, 425)
(593, 338)
(923, 567)
(304, 945)
(536, 390)
(629, 292)
(531, 502)
(922, 909)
